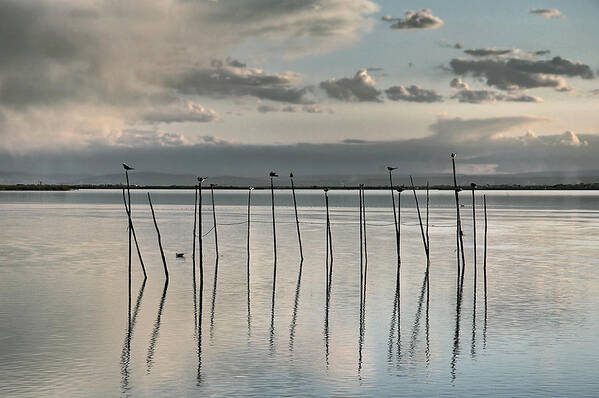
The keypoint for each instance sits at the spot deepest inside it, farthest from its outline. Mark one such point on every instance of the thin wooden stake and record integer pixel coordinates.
(390, 169)
(248, 252)
(297, 223)
(460, 234)
(424, 241)
(195, 224)
(214, 220)
(141, 261)
(159, 240)
(361, 254)
(473, 187)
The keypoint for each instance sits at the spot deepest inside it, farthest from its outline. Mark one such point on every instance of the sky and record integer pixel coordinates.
(229, 87)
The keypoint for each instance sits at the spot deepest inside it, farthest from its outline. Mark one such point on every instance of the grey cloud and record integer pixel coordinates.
(456, 82)
(485, 52)
(498, 143)
(547, 13)
(360, 88)
(422, 19)
(523, 98)
(223, 81)
(413, 94)
(487, 96)
(265, 108)
(516, 73)
(555, 66)
(476, 96)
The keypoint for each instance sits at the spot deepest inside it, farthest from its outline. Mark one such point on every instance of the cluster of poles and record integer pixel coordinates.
(395, 192)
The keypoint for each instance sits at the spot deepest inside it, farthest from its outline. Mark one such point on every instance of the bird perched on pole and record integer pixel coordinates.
(273, 174)
(391, 168)
(127, 167)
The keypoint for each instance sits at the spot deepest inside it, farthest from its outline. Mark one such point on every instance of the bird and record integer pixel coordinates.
(472, 185)
(400, 190)
(251, 188)
(290, 175)
(180, 255)
(391, 168)
(273, 174)
(453, 155)
(325, 189)
(202, 179)
(127, 167)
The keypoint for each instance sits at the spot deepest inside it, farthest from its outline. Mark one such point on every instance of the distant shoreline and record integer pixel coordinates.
(494, 187)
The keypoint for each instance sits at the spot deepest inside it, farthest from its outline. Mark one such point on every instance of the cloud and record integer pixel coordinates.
(547, 13)
(515, 73)
(317, 109)
(178, 114)
(456, 82)
(422, 19)
(488, 96)
(221, 80)
(135, 138)
(360, 88)
(413, 94)
(116, 62)
(476, 96)
(523, 98)
(265, 108)
(498, 144)
(485, 52)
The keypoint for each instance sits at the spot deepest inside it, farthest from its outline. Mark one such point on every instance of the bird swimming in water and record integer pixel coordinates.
(127, 167)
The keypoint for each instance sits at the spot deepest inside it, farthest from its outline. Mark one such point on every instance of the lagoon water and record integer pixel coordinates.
(64, 298)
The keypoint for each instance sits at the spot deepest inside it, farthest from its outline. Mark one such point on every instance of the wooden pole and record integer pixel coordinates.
(274, 272)
(200, 246)
(361, 253)
(130, 233)
(485, 273)
(428, 240)
(248, 252)
(214, 220)
(390, 169)
(299, 235)
(473, 187)
(420, 220)
(195, 224)
(330, 240)
(141, 261)
(159, 240)
(365, 246)
(326, 238)
(460, 235)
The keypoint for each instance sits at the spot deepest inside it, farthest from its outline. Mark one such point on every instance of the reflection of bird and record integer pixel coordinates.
(180, 255)
(273, 174)
(391, 168)
(127, 167)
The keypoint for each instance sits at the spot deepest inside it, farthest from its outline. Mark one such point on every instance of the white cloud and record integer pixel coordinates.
(547, 13)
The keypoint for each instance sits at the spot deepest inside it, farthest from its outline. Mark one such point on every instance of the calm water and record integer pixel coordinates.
(64, 298)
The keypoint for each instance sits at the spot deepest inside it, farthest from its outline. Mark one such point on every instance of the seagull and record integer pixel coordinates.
(251, 188)
(453, 155)
(202, 179)
(391, 168)
(473, 185)
(325, 189)
(273, 174)
(290, 175)
(180, 255)
(400, 190)
(127, 167)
